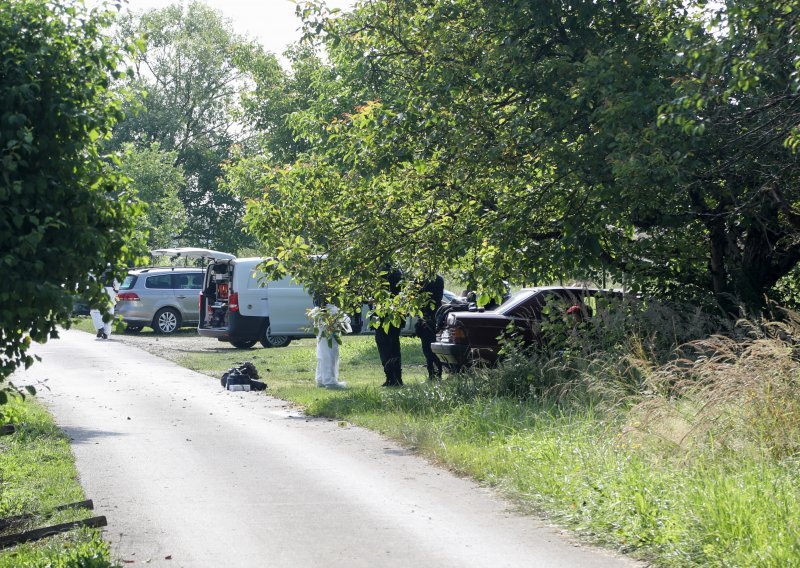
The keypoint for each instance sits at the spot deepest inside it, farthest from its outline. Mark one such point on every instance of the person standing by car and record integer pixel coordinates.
(388, 339)
(426, 325)
(104, 328)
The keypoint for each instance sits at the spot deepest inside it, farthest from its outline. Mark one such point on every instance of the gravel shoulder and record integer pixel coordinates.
(170, 346)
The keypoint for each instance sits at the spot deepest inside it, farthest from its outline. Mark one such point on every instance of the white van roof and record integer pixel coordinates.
(189, 252)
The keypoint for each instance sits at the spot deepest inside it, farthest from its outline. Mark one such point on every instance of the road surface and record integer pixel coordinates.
(191, 475)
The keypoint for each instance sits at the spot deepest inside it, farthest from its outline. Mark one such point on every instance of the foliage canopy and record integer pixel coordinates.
(65, 214)
(190, 74)
(158, 181)
(652, 142)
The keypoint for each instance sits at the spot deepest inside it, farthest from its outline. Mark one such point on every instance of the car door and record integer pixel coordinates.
(158, 292)
(187, 286)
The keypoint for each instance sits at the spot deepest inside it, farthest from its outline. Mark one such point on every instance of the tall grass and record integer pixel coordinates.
(736, 396)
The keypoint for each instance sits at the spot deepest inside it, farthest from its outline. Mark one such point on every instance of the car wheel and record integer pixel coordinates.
(133, 328)
(166, 320)
(269, 340)
(243, 344)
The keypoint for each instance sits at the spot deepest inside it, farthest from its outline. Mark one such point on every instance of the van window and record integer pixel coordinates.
(285, 282)
(160, 282)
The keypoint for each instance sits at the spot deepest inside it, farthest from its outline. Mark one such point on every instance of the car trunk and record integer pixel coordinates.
(216, 295)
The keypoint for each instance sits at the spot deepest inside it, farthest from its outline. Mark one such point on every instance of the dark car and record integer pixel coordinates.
(470, 337)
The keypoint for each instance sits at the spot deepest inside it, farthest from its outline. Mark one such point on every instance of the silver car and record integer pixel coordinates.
(165, 298)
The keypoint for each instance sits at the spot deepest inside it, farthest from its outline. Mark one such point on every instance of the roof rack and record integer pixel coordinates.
(149, 268)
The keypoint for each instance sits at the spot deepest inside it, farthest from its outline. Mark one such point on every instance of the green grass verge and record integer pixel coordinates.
(571, 467)
(37, 473)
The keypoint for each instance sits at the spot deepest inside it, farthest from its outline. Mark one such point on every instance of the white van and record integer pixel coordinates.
(238, 304)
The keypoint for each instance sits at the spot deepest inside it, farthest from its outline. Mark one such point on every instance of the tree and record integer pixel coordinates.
(737, 104)
(157, 182)
(279, 101)
(191, 78)
(529, 141)
(65, 214)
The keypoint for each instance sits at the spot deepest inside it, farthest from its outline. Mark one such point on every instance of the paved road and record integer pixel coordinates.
(191, 475)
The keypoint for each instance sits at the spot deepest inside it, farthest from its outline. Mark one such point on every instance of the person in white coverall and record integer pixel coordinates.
(328, 353)
(104, 328)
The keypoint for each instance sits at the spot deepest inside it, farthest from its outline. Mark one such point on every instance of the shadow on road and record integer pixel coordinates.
(78, 435)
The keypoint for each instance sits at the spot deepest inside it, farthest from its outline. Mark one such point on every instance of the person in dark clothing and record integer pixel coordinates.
(426, 326)
(388, 340)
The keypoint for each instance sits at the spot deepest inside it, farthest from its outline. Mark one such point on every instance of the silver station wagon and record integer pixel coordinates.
(165, 298)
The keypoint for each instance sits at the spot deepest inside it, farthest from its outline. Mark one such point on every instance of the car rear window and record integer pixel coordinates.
(159, 282)
(129, 282)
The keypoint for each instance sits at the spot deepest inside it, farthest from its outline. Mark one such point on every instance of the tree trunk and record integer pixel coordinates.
(718, 242)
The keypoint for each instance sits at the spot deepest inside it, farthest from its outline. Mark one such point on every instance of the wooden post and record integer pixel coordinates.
(88, 504)
(38, 534)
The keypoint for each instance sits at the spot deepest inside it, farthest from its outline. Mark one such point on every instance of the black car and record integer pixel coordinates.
(470, 337)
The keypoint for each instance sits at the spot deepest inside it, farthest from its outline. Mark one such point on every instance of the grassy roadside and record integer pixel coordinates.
(38, 473)
(679, 480)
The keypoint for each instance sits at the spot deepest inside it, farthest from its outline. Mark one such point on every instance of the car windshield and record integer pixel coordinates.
(128, 283)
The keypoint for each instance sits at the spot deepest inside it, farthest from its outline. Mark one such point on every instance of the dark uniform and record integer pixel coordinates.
(426, 326)
(388, 342)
